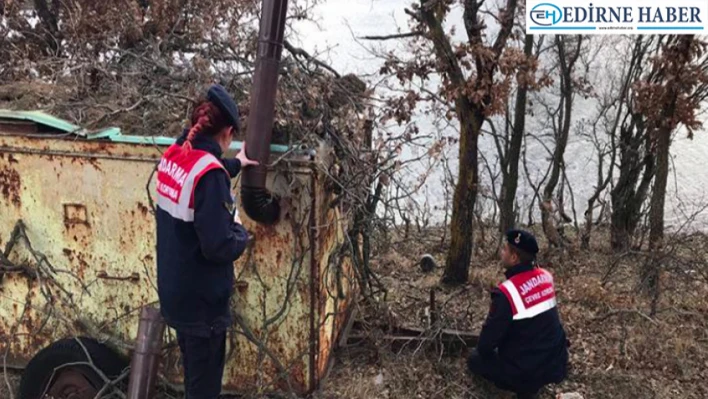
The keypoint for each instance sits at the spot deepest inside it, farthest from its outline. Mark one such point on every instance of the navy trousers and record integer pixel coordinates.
(491, 369)
(203, 363)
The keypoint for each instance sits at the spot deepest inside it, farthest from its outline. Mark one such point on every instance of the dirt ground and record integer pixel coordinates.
(618, 349)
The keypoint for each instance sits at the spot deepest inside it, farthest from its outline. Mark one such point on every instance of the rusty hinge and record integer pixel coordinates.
(134, 277)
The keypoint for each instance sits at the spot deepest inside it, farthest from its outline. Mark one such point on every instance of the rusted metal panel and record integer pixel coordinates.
(335, 278)
(86, 206)
(81, 207)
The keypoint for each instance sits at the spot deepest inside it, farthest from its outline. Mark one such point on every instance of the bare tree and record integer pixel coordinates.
(568, 50)
(670, 98)
(636, 161)
(604, 151)
(510, 149)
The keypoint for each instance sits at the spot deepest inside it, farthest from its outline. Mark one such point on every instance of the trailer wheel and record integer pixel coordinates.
(56, 371)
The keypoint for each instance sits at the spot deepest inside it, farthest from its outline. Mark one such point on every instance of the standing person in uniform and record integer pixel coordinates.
(523, 345)
(199, 236)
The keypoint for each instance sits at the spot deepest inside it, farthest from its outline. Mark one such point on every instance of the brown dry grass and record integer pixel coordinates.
(617, 351)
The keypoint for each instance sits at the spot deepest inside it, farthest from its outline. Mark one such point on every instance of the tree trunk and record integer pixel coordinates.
(650, 272)
(511, 172)
(627, 198)
(627, 209)
(621, 233)
(461, 225)
(587, 229)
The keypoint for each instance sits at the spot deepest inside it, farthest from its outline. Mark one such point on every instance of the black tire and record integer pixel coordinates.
(39, 375)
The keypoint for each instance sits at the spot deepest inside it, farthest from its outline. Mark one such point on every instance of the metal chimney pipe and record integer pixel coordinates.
(259, 204)
(146, 358)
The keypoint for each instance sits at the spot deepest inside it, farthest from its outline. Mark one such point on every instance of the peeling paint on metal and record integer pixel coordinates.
(10, 185)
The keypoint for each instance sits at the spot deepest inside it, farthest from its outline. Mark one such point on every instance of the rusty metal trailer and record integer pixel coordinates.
(77, 259)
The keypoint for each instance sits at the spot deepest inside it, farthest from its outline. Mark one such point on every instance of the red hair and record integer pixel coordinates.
(207, 120)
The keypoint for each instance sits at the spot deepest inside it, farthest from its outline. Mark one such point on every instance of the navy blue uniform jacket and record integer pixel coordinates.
(195, 271)
(530, 351)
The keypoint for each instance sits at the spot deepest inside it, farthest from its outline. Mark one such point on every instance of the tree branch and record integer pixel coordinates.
(298, 52)
(441, 44)
(394, 36)
(506, 15)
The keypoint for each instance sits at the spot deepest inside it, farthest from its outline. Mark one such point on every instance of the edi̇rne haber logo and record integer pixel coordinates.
(638, 17)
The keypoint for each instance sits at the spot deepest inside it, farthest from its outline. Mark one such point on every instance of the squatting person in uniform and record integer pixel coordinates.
(523, 345)
(199, 236)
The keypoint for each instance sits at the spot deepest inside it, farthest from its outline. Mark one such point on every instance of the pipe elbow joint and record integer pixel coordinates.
(260, 205)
